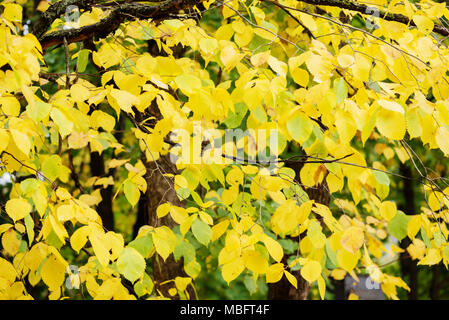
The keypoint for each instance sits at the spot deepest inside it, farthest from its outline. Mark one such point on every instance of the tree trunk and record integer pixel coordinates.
(408, 266)
(435, 286)
(283, 290)
(160, 190)
(104, 208)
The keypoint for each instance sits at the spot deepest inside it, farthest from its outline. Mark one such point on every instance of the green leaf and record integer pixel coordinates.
(83, 59)
(65, 126)
(235, 119)
(381, 177)
(192, 268)
(202, 231)
(250, 284)
(288, 245)
(183, 193)
(143, 245)
(39, 111)
(132, 192)
(425, 238)
(341, 90)
(300, 127)
(398, 225)
(28, 186)
(331, 255)
(144, 286)
(51, 167)
(188, 83)
(131, 264)
(439, 239)
(29, 223)
(186, 250)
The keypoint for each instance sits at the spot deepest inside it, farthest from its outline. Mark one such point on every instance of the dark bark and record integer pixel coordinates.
(160, 190)
(367, 10)
(54, 12)
(435, 285)
(104, 208)
(409, 267)
(118, 14)
(338, 289)
(283, 290)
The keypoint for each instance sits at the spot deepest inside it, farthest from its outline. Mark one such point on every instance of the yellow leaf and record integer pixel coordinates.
(7, 272)
(338, 274)
(300, 76)
(278, 66)
(345, 60)
(432, 257)
(255, 262)
(178, 214)
(100, 250)
(274, 248)
(12, 12)
(79, 92)
(66, 212)
(424, 24)
(5, 227)
(308, 21)
(164, 241)
(102, 119)
(53, 273)
(231, 270)
(124, 99)
(321, 287)
(311, 270)
(58, 228)
(181, 182)
(353, 239)
(4, 139)
(346, 126)
(65, 126)
(208, 46)
(163, 210)
(21, 140)
(230, 195)
(275, 272)
(34, 258)
(353, 296)
(79, 238)
(260, 58)
(17, 208)
(417, 249)
(388, 210)
(291, 278)
(10, 106)
(182, 282)
(283, 221)
(347, 260)
(43, 6)
(188, 83)
(315, 234)
(234, 176)
(390, 120)
(219, 229)
(442, 139)
(413, 226)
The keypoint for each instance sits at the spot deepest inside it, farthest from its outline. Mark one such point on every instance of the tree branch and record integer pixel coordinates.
(118, 14)
(54, 12)
(364, 9)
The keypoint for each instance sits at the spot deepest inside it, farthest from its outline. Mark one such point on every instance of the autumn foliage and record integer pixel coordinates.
(115, 124)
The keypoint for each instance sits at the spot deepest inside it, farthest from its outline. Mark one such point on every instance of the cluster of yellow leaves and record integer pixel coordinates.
(361, 87)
